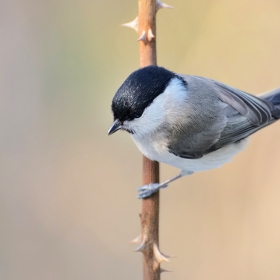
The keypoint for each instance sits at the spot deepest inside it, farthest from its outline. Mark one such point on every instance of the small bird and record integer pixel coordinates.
(189, 122)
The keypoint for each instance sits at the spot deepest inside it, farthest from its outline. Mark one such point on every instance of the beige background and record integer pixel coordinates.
(68, 202)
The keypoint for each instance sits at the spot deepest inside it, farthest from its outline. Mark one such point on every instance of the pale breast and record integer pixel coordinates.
(158, 151)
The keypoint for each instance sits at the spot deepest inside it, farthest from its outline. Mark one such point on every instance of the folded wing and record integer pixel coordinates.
(241, 115)
(246, 114)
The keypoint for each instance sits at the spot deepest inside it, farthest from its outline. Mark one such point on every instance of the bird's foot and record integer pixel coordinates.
(148, 190)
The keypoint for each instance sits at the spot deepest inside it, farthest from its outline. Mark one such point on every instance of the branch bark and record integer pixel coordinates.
(150, 206)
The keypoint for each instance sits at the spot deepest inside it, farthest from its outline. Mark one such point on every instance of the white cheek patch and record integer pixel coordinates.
(159, 111)
(146, 123)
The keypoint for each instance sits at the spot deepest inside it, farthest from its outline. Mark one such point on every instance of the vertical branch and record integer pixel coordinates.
(145, 26)
(146, 22)
(150, 206)
(150, 222)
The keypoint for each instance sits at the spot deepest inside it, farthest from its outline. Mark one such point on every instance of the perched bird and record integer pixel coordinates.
(189, 122)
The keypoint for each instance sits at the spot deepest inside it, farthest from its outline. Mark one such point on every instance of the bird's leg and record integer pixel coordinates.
(148, 190)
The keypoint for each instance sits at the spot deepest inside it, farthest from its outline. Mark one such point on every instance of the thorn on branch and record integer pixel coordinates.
(142, 245)
(133, 24)
(163, 270)
(160, 257)
(136, 240)
(151, 36)
(161, 5)
(143, 37)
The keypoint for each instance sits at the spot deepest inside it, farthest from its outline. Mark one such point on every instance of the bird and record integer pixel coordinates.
(189, 122)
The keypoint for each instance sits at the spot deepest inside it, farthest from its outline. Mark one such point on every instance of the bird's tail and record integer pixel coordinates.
(274, 98)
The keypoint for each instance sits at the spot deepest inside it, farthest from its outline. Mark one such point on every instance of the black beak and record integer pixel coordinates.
(115, 127)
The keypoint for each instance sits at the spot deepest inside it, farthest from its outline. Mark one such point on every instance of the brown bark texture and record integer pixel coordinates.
(150, 206)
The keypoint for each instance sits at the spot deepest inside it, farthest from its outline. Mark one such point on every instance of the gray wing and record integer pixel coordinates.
(256, 110)
(229, 115)
(200, 120)
(246, 114)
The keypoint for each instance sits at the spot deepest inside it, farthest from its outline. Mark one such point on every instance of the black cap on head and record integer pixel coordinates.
(139, 90)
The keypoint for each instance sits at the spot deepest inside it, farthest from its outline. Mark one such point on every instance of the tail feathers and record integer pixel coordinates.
(274, 98)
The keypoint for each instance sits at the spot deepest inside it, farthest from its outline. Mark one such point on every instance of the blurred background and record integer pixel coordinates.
(68, 205)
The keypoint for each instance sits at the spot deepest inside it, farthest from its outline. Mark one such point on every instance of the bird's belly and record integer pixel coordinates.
(159, 152)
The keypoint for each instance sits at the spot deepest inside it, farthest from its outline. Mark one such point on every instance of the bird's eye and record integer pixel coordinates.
(137, 115)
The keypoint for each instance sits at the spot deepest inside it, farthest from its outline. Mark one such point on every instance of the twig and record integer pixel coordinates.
(145, 26)
(150, 206)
